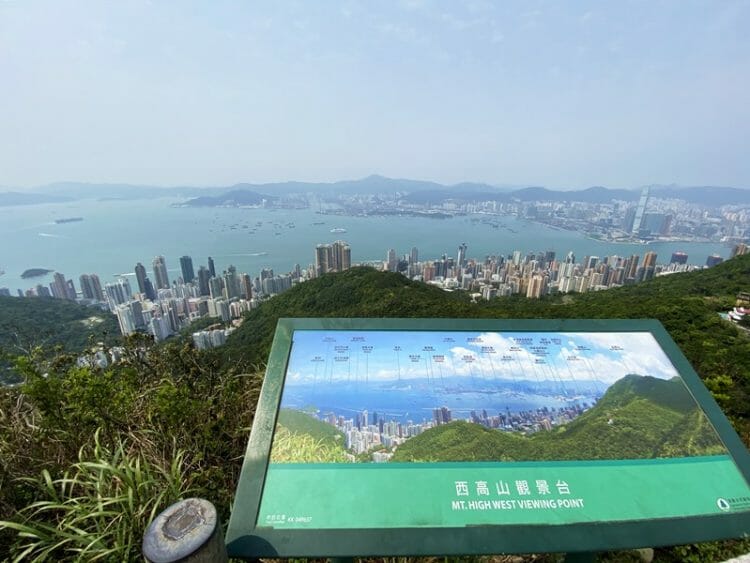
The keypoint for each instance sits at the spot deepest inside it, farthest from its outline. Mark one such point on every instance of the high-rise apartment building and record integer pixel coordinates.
(714, 260)
(62, 288)
(341, 253)
(461, 259)
(160, 273)
(323, 259)
(649, 265)
(91, 287)
(211, 267)
(140, 276)
(204, 275)
(678, 258)
(392, 261)
(186, 265)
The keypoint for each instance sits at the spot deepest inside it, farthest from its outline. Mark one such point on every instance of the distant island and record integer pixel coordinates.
(35, 273)
(68, 220)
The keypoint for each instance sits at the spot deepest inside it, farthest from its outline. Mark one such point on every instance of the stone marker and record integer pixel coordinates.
(187, 531)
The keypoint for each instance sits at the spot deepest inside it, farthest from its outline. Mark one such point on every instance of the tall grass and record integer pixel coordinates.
(290, 447)
(100, 508)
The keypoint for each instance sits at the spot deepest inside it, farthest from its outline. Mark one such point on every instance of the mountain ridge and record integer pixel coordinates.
(429, 191)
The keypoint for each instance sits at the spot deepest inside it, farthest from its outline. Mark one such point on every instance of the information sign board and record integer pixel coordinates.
(416, 437)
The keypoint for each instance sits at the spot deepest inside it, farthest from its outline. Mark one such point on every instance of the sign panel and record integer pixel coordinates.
(413, 427)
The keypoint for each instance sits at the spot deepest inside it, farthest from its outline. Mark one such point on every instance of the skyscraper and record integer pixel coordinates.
(203, 276)
(649, 265)
(678, 258)
(461, 259)
(61, 289)
(640, 210)
(91, 287)
(140, 275)
(713, 260)
(323, 259)
(160, 273)
(341, 253)
(186, 265)
(246, 287)
(231, 283)
(211, 267)
(392, 260)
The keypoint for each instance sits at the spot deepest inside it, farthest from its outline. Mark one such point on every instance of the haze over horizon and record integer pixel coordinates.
(566, 96)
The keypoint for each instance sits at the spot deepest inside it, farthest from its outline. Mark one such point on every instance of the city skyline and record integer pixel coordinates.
(166, 310)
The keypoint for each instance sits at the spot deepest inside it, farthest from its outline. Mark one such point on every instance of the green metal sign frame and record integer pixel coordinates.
(247, 539)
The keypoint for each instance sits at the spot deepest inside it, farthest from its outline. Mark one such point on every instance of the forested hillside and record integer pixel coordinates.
(171, 421)
(43, 321)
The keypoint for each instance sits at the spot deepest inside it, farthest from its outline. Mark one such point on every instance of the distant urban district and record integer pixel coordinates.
(163, 307)
(638, 417)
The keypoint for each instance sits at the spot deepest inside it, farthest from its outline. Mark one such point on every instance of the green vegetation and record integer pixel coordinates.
(638, 418)
(112, 493)
(291, 447)
(162, 407)
(300, 438)
(43, 321)
(301, 423)
(170, 406)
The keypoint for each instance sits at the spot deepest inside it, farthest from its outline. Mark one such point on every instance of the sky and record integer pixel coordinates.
(559, 94)
(319, 355)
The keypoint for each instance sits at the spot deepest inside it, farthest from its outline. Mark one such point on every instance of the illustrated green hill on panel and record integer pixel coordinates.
(639, 417)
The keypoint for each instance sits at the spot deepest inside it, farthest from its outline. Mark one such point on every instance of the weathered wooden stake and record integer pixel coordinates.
(189, 531)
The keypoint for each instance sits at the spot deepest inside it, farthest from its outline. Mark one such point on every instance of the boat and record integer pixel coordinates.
(68, 220)
(338, 230)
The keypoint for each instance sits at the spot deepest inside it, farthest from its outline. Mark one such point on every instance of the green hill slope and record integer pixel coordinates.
(638, 418)
(25, 323)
